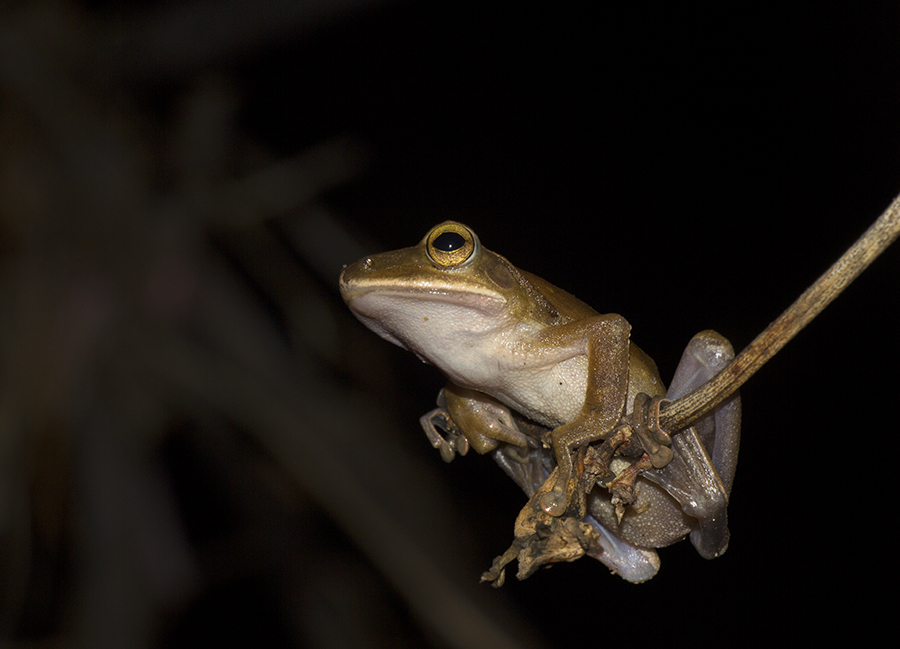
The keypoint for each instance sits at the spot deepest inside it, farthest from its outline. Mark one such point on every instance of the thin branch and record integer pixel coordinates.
(682, 412)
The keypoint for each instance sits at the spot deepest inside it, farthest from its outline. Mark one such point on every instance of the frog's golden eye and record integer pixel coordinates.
(451, 244)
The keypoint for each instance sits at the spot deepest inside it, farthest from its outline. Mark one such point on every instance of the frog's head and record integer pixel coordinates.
(446, 299)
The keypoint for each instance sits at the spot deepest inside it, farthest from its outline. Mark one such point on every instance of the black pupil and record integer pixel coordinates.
(449, 241)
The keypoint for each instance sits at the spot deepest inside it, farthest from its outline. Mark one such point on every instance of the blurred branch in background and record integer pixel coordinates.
(181, 413)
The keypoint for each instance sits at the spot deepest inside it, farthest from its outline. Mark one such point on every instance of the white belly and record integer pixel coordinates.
(550, 396)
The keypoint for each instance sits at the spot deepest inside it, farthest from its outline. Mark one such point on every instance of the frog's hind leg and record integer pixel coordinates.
(705, 356)
(705, 455)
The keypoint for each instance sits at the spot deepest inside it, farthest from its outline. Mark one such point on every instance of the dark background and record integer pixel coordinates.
(687, 167)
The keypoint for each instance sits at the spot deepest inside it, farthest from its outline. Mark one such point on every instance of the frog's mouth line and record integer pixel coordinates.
(487, 303)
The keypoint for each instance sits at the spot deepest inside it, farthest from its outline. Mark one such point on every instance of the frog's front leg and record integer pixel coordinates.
(606, 345)
(470, 418)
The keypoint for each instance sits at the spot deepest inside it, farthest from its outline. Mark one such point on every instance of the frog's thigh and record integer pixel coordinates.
(702, 471)
(705, 356)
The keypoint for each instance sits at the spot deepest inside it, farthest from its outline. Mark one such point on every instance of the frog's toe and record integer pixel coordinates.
(447, 452)
(554, 501)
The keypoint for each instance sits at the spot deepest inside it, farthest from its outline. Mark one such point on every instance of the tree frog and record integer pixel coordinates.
(535, 378)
